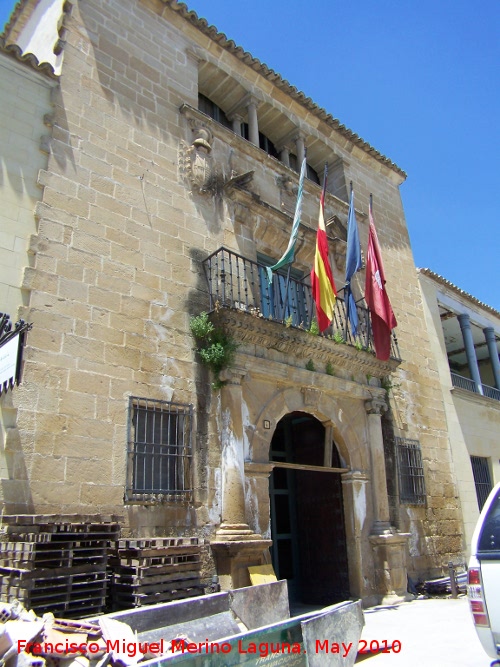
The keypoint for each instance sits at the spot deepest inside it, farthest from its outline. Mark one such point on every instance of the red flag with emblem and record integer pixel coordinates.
(376, 297)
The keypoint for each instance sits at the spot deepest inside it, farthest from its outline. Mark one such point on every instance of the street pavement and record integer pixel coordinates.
(434, 632)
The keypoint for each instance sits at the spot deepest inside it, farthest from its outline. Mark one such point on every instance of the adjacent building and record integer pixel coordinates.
(167, 186)
(465, 336)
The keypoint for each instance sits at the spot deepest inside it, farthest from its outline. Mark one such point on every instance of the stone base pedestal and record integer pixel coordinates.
(235, 532)
(390, 566)
(233, 556)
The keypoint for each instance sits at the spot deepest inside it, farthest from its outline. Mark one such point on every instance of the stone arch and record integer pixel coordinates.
(322, 406)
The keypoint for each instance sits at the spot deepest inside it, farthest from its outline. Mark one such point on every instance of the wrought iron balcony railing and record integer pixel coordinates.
(469, 385)
(240, 283)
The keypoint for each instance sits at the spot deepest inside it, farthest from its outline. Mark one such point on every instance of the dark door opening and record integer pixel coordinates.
(307, 514)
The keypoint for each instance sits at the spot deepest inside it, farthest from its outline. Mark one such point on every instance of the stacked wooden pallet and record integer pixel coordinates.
(56, 563)
(147, 571)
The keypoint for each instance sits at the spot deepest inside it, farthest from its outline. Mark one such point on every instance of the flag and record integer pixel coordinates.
(353, 263)
(289, 254)
(322, 283)
(377, 299)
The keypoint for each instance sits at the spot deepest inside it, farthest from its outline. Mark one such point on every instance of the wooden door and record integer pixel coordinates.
(307, 515)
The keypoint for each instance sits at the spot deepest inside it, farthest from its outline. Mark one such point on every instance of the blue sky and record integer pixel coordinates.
(420, 81)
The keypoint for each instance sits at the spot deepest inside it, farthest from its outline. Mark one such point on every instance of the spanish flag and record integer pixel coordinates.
(322, 283)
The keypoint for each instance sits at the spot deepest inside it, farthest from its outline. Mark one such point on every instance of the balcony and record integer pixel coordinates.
(469, 385)
(241, 286)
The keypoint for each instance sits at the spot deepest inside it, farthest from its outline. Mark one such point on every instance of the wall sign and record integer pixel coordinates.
(11, 351)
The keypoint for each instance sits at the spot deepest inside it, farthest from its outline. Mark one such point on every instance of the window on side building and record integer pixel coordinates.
(410, 471)
(159, 450)
(482, 478)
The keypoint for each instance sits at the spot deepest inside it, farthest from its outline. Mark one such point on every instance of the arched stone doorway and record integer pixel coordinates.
(307, 513)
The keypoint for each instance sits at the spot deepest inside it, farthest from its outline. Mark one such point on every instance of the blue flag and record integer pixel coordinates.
(289, 254)
(353, 263)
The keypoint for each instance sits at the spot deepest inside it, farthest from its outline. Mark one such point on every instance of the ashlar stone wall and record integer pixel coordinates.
(116, 275)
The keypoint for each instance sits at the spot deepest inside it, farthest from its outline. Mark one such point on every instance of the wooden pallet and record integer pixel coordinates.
(151, 570)
(57, 563)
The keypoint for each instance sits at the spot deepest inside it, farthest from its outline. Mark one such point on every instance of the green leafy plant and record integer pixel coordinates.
(329, 369)
(338, 337)
(310, 365)
(387, 384)
(359, 345)
(314, 328)
(288, 321)
(215, 348)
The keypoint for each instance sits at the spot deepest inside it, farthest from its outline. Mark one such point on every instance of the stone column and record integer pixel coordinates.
(235, 546)
(491, 341)
(253, 124)
(470, 350)
(285, 155)
(375, 409)
(300, 147)
(236, 121)
(389, 546)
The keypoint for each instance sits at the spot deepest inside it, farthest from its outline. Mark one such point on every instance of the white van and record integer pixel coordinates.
(483, 586)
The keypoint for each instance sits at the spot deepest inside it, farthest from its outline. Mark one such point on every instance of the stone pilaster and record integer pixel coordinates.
(375, 408)
(388, 545)
(355, 489)
(235, 546)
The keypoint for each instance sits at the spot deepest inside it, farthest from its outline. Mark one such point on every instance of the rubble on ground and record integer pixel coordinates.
(27, 640)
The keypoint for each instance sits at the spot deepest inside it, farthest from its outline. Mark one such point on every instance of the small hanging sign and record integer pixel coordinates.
(11, 351)
(8, 363)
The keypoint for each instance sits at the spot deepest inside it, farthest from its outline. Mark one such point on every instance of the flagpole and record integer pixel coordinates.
(323, 192)
(369, 327)
(285, 299)
(287, 281)
(347, 290)
(322, 282)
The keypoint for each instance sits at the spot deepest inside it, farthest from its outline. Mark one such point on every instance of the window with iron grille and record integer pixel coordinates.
(410, 471)
(482, 478)
(159, 450)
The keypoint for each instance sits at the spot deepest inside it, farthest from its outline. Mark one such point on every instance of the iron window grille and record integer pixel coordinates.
(482, 478)
(159, 450)
(410, 471)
